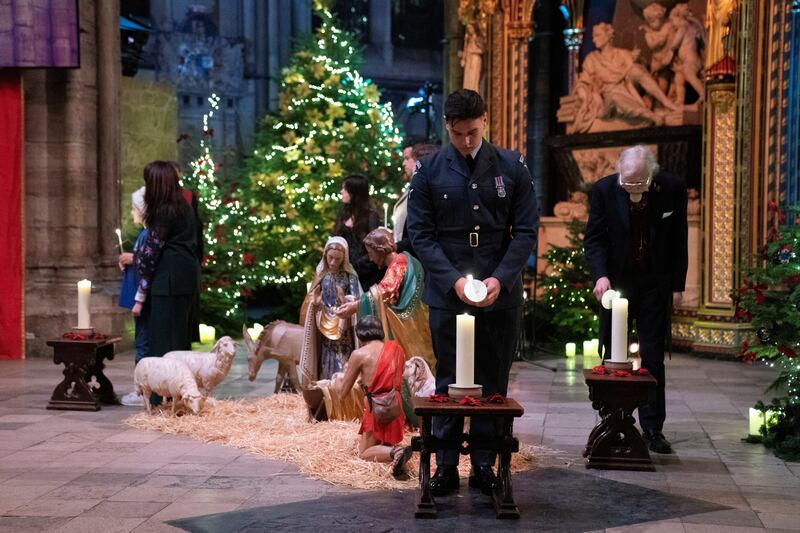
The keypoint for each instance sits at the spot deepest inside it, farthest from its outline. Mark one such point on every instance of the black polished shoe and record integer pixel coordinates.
(444, 481)
(483, 478)
(657, 442)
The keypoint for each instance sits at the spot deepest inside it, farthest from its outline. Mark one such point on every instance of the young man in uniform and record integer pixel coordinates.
(472, 210)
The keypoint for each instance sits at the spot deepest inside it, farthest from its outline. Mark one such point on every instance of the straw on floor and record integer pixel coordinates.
(278, 427)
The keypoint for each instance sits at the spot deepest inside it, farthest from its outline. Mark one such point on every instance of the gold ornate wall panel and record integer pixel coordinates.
(510, 30)
(719, 195)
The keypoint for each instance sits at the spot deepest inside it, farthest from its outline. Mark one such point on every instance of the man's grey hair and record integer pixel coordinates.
(632, 159)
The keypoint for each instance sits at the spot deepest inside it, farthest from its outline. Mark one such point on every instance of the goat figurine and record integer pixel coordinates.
(209, 369)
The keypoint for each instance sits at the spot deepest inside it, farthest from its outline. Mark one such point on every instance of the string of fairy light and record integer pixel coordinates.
(328, 112)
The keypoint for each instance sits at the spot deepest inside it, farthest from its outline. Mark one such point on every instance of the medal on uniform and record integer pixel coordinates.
(500, 186)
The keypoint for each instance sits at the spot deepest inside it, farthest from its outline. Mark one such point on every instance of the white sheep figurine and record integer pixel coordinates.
(209, 369)
(170, 378)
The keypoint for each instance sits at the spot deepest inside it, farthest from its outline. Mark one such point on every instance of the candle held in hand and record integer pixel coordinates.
(465, 350)
(475, 290)
(84, 294)
(119, 238)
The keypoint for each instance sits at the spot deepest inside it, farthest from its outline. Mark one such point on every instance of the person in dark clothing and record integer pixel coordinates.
(472, 210)
(354, 221)
(167, 264)
(636, 241)
(412, 153)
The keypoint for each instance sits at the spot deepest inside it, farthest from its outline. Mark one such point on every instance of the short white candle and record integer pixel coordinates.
(465, 350)
(757, 419)
(619, 330)
(84, 293)
(569, 349)
(587, 348)
(207, 334)
(596, 347)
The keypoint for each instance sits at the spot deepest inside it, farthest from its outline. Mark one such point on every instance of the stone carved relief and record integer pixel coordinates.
(616, 91)
(472, 57)
(577, 208)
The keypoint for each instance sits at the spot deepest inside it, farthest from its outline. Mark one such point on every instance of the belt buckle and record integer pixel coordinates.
(473, 239)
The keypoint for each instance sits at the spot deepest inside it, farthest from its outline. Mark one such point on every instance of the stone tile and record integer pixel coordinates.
(124, 509)
(219, 495)
(181, 509)
(156, 526)
(728, 517)
(780, 520)
(711, 528)
(661, 526)
(82, 524)
(149, 494)
(45, 506)
(30, 524)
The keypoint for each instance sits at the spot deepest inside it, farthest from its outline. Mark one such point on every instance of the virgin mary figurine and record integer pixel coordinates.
(327, 338)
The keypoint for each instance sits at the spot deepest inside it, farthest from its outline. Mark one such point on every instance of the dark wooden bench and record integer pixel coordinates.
(504, 444)
(83, 360)
(615, 443)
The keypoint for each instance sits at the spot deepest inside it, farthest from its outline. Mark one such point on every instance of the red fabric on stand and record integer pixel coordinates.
(12, 334)
(388, 376)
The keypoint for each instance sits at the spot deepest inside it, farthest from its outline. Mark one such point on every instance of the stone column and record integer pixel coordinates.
(454, 37)
(380, 29)
(108, 126)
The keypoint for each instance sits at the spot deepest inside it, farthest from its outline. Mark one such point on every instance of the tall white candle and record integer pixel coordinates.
(84, 292)
(119, 238)
(386, 215)
(619, 330)
(465, 350)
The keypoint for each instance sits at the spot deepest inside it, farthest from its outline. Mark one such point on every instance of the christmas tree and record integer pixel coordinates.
(770, 301)
(329, 124)
(566, 306)
(223, 236)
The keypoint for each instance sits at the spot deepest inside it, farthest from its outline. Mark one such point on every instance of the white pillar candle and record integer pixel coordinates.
(619, 330)
(84, 292)
(207, 334)
(595, 347)
(386, 215)
(587, 348)
(465, 350)
(569, 349)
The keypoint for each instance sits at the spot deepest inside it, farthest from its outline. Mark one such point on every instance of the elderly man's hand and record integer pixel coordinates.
(603, 284)
(677, 298)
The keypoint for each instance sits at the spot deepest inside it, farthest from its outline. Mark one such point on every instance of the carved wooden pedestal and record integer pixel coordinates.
(504, 444)
(84, 385)
(615, 443)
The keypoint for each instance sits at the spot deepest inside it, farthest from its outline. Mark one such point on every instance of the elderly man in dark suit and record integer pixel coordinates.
(472, 210)
(636, 242)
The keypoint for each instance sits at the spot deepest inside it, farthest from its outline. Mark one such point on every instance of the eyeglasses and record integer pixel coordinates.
(635, 184)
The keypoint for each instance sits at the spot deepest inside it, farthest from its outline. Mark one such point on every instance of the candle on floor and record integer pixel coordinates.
(84, 293)
(569, 349)
(587, 348)
(207, 334)
(619, 330)
(465, 350)
(595, 347)
(757, 419)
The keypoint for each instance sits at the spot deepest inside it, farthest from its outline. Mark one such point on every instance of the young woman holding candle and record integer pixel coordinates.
(167, 263)
(355, 219)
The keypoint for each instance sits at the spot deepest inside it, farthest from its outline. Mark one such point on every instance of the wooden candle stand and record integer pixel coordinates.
(83, 360)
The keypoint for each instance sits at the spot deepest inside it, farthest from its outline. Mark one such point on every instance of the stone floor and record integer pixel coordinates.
(79, 471)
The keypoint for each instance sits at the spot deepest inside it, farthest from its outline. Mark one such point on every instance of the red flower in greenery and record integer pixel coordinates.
(469, 400)
(744, 315)
(787, 351)
(247, 258)
(439, 398)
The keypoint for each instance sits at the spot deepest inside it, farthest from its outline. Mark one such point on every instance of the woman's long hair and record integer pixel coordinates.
(357, 186)
(162, 193)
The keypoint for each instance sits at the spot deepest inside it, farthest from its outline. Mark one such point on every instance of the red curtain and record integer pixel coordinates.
(12, 328)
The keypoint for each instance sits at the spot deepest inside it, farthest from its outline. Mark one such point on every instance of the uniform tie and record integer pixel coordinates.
(471, 163)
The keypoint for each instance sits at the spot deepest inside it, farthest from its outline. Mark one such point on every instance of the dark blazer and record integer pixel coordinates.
(606, 241)
(450, 210)
(177, 271)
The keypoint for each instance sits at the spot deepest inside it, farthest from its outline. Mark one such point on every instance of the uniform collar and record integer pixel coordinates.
(477, 149)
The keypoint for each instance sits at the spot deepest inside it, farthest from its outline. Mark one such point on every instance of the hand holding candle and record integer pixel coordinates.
(475, 290)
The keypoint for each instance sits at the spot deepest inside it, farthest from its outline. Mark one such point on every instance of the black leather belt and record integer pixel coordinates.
(472, 238)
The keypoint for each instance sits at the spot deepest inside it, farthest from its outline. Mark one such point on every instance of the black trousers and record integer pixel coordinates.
(648, 308)
(495, 344)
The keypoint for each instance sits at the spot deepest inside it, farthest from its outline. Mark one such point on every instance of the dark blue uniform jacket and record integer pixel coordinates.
(482, 224)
